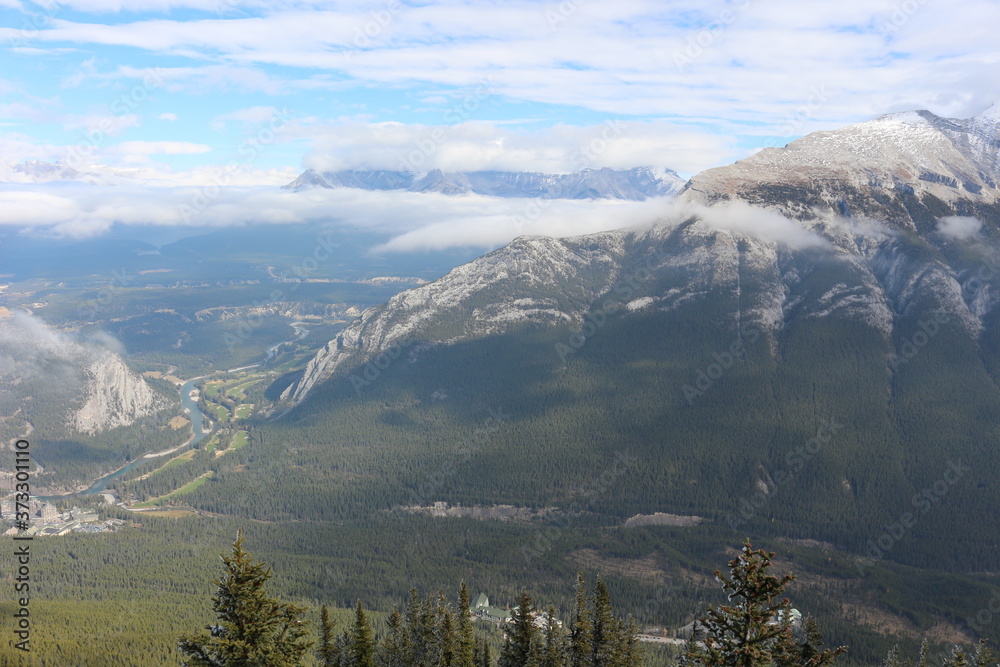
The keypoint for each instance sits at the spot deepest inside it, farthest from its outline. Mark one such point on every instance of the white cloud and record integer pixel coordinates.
(260, 114)
(163, 147)
(622, 57)
(171, 117)
(102, 125)
(415, 221)
(746, 220)
(132, 152)
(958, 228)
(473, 146)
(710, 80)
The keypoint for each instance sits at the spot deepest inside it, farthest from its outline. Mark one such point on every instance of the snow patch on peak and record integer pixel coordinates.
(991, 115)
(905, 118)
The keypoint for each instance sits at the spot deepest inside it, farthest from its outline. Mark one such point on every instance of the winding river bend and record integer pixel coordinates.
(197, 418)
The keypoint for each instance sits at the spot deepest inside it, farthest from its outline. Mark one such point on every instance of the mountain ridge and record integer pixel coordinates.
(775, 202)
(635, 184)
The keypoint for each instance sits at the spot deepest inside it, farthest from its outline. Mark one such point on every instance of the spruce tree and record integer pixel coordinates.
(957, 658)
(630, 651)
(416, 644)
(983, 656)
(394, 649)
(466, 642)
(328, 656)
(447, 643)
(605, 632)
(922, 658)
(486, 656)
(361, 646)
(554, 653)
(756, 630)
(580, 634)
(809, 652)
(252, 628)
(892, 657)
(520, 647)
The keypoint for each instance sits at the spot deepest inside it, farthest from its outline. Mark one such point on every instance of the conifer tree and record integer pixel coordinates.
(361, 645)
(605, 632)
(922, 658)
(486, 657)
(554, 653)
(252, 628)
(630, 651)
(394, 649)
(892, 657)
(414, 616)
(756, 630)
(809, 652)
(957, 658)
(520, 648)
(983, 656)
(327, 640)
(466, 640)
(580, 632)
(446, 640)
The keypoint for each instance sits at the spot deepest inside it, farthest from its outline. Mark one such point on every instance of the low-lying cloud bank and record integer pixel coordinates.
(414, 221)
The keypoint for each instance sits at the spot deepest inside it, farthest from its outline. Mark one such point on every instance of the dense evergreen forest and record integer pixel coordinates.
(86, 609)
(816, 448)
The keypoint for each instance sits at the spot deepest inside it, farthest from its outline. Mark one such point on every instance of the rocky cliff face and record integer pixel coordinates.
(855, 168)
(872, 225)
(62, 384)
(115, 396)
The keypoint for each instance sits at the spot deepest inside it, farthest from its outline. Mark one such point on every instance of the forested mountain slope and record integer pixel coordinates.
(806, 343)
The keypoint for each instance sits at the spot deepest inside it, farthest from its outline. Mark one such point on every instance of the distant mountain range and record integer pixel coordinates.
(634, 184)
(852, 277)
(38, 171)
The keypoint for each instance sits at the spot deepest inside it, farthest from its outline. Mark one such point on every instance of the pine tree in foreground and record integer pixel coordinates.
(465, 649)
(755, 631)
(521, 647)
(328, 654)
(361, 645)
(252, 629)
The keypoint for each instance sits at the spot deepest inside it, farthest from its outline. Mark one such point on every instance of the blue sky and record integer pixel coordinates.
(167, 93)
